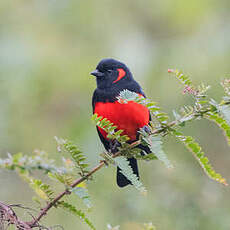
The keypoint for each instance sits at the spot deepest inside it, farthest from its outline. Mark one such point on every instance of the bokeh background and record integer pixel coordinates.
(47, 50)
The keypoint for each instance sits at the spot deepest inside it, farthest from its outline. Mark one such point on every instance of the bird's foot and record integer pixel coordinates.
(147, 129)
(114, 144)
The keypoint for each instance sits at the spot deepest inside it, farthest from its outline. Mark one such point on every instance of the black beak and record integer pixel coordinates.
(97, 73)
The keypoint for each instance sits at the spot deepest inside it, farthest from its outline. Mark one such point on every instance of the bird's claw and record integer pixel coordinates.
(114, 144)
(147, 129)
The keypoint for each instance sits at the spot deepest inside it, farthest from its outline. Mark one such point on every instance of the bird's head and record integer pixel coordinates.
(110, 72)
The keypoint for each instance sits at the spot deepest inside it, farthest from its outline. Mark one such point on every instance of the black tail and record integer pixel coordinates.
(122, 181)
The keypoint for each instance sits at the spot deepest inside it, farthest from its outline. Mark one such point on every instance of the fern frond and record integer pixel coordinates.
(222, 123)
(225, 111)
(127, 171)
(70, 208)
(127, 95)
(202, 89)
(83, 194)
(184, 79)
(180, 119)
(66, 179)
(197, 152)
(147, 157)
(198, 92)
(155, 143)
(187, 110)
(43, 190)
(38, 161)
(78, 157)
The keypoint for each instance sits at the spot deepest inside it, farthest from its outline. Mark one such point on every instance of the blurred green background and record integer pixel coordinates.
(47, 50)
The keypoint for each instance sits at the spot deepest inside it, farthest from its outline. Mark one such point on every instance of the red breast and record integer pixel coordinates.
(129, 117)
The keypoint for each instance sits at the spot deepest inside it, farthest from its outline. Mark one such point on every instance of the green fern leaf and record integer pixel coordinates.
(127, 171)
(221, 123)
(155, 144)
(43, 190)
(78, 158)
(197, 152)
(184, 79)
(198, 92)
(38, 161)
(147, 157)
(83, 194)
(70, 208)
(65, 179)
(225, 111)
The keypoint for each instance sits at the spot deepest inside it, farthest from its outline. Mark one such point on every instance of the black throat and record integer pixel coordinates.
(111, 94)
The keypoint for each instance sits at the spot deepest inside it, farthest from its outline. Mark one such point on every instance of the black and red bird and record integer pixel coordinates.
(113, 77)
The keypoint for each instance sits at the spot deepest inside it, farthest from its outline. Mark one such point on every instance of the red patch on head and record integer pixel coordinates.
(121, 74)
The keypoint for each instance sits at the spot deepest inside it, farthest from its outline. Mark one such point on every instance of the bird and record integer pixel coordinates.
(112, 77)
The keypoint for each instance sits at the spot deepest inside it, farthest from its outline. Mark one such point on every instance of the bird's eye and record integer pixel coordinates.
(109, 71)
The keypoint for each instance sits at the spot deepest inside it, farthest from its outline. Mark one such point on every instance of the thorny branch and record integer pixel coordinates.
(9, 217)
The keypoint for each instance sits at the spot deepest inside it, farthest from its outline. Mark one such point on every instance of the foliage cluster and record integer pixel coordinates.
(74, 171)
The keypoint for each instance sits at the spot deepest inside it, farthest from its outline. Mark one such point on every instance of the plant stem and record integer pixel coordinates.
(66, 192)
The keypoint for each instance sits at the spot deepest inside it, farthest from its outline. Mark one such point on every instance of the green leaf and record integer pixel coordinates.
(127, 95)
(155, 144)
(197, 152)
(43, 190)
(127, 171)
(176, 115)
(221, 122)
(225, 111)
(184, 79)
(202, 89)
(83, 194)
(38, 161)
(65, 179)
(198, 92)
(70, 208)
(78, 158)
(147, 157)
